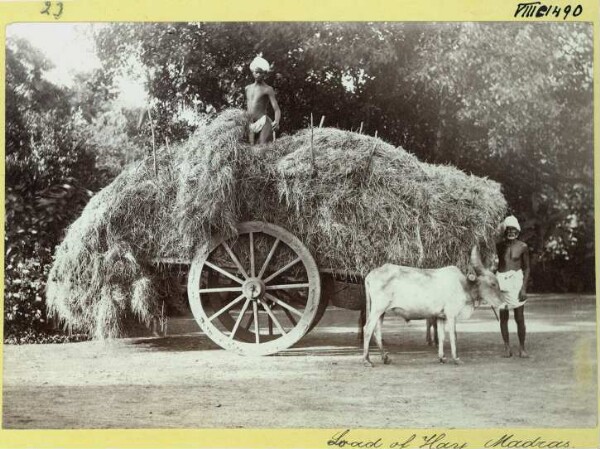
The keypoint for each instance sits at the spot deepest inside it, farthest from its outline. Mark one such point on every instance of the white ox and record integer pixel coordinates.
(416, 294)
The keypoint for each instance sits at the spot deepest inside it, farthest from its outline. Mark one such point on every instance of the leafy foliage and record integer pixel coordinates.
(47, 162)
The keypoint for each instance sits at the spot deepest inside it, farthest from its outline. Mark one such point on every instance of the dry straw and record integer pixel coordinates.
(359, 204)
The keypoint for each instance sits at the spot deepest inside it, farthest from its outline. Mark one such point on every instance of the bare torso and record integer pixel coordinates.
(257, 98)
(511, 255)
(258, 95)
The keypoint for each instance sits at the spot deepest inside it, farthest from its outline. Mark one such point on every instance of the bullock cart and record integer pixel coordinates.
(260, 291)
(263, 231)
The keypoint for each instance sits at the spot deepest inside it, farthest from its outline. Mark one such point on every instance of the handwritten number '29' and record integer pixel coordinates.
(54, 8)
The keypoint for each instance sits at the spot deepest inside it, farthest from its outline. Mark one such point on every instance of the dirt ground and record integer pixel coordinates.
(185, 381)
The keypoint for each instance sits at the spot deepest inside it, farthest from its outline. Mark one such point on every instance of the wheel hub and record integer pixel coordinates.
(253, 288)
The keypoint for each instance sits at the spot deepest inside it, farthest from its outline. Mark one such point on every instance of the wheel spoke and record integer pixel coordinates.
(220, 289)
(227, 307)
(256, 328)
(247, 325)
(286, 286)
(235, 260)
(290, 298)
(239, 319)
(281, 270)
(272, 316)
(252, 267)
(290, 317)
(270, 322)
(268, 259)
(223, 272)
(283, 304)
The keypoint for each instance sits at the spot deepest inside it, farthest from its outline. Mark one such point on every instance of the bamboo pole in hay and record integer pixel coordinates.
(312, 138)
(371, 154)
(153, 144)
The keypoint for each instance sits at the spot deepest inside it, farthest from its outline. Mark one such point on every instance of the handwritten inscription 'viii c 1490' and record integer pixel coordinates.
(539, 10)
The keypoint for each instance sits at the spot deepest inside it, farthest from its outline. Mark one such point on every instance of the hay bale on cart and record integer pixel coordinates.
(258, 226)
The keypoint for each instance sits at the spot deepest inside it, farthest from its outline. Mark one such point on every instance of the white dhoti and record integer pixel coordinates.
(258, 125)
(510, 283)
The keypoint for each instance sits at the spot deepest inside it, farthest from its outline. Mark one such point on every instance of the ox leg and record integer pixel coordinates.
(451, 327)
(432, 325)
(441, 335)
(362, 318)
(372, 321)
(378, 338)
(428, 338)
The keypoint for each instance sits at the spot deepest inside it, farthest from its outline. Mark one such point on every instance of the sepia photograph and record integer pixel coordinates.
(307, 225)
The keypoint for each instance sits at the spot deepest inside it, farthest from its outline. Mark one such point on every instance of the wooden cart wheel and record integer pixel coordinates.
(256, 293)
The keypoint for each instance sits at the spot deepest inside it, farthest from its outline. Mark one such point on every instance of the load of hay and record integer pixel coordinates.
(355, 201)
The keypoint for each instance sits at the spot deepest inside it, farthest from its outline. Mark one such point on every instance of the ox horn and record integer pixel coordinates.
(476, 262)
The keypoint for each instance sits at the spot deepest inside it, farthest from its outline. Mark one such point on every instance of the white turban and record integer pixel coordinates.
(260, 63)
(512, 222)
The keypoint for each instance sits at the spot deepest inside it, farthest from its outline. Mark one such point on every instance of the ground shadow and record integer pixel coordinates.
(177, 343)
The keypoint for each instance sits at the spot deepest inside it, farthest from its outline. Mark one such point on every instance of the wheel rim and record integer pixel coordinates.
(264, 291)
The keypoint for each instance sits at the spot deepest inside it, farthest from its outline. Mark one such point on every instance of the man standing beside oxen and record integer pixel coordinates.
(513, 274)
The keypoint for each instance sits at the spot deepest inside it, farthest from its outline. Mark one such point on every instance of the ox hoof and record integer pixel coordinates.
(457, 361)
(523, 354)
(443, 359)
(368, 364)
(386, 359)
(507, 353)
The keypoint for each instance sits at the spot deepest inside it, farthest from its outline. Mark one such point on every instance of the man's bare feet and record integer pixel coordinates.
(507, 352)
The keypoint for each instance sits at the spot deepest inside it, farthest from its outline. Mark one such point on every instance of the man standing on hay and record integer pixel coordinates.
(513, 273)
(257, 95)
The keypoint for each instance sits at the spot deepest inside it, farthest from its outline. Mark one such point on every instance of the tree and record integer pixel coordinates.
(524, 98)
(47, 167)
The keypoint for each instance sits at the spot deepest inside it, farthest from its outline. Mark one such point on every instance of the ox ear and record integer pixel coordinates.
(476, 261)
